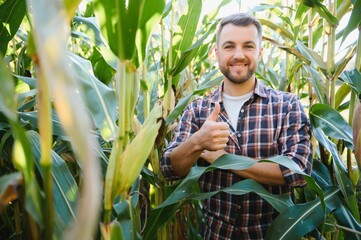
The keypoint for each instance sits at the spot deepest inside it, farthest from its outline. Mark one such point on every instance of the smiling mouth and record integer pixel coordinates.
(238, 64)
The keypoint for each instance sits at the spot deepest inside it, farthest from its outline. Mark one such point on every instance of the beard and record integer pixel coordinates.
(237, 79)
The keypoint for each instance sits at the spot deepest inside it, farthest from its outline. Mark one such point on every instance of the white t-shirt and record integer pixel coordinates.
(233, 105)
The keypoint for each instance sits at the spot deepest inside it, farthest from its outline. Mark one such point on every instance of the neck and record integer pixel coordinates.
(238, 89)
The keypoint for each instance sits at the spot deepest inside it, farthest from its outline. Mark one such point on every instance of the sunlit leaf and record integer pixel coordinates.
(284, 32)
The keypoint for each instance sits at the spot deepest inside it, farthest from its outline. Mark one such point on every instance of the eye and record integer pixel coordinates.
(228, 46)
(249, 46)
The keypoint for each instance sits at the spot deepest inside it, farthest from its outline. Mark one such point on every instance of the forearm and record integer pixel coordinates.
(264, 173)
(185, 155)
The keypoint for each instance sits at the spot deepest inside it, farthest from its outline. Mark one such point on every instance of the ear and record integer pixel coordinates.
(260, 52)
(216, 52)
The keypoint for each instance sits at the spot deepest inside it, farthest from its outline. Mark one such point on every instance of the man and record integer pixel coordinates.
(242, 117)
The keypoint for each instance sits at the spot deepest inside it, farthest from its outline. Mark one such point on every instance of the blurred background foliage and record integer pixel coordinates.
(92, 90)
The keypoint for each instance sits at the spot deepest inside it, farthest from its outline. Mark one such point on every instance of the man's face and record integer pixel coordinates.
(238, 52)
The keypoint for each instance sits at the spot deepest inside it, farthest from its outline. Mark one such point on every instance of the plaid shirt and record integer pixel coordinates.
(270, 123)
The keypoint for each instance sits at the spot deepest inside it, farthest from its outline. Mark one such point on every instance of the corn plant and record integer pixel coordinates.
(91, 91)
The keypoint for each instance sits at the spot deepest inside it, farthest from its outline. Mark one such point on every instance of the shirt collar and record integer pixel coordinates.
(259, 90)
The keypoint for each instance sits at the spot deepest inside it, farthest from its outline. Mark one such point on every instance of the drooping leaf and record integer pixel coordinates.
(322, 10)
(331, 122)
(282, 31)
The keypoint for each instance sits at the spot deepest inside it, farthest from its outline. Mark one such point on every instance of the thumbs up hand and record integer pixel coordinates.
(213, 135)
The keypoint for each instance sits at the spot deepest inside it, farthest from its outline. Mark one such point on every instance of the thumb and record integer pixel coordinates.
(214, 114)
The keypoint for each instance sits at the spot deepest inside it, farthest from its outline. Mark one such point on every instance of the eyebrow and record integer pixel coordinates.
(231, 42)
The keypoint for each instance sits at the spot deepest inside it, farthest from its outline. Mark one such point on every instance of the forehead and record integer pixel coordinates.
(238, 34)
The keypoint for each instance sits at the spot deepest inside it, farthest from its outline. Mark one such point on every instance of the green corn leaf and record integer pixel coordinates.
(343, 180)
(331, 122)
(322, 10)
(150, 16)
(100, 99)
(185, 31)
(284, 32)
(301, 219)
(91, 28)
(64, 185)
(12, 13)
(182, 103)
(51, 50)
(353, 78)
(354, 21)
(118, 23)
(7, 92)
(32, 119)
(346, 219)
(341, 94)
(311, 55)
(318, 84)
(187, 56)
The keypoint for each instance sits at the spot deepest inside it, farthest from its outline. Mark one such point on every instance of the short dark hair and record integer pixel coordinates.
(240, 19)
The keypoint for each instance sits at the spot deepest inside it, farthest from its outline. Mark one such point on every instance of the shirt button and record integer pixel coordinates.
(238, 207)
(242, 110)
(238, 135)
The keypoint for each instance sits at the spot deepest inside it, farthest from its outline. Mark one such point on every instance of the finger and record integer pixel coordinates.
(214, 114)
(222, 125)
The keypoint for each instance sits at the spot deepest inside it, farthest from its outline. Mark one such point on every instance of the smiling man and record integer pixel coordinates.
(241, 117)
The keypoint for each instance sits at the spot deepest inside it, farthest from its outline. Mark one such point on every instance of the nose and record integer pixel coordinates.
(238, 53)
